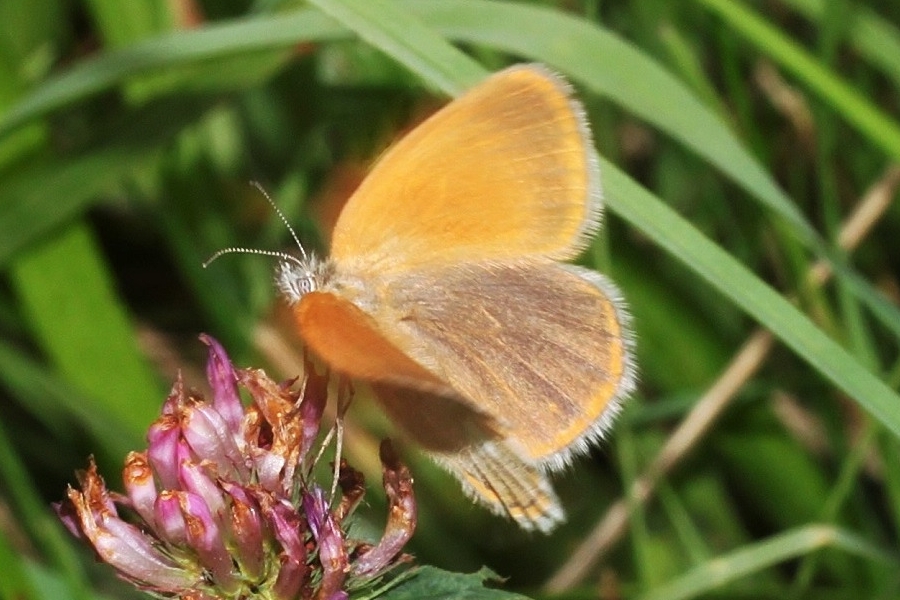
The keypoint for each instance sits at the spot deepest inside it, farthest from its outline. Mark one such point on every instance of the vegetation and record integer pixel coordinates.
(750, 154)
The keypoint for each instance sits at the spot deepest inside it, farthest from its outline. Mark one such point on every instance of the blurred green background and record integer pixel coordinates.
(738, 138)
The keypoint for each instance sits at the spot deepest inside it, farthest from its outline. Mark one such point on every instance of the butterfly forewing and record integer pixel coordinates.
(506, 170)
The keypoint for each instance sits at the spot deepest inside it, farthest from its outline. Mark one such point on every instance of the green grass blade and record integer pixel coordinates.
(110, 69)
(67, 294)
(762, 555)
(395, 31)
(873, 37)
(850, 104)
(678, 237)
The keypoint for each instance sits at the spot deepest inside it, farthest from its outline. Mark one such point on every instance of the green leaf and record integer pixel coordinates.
(430, 583)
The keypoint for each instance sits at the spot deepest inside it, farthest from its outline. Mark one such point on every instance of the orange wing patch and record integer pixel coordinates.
(348, 340)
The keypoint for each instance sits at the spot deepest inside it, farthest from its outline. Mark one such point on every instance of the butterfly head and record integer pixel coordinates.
(297, 277)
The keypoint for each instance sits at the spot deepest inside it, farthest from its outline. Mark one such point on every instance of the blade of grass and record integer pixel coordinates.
(850, 104)
(768, 553)
(68, 296)
(678, 237)
(399, 34)
(872, 36)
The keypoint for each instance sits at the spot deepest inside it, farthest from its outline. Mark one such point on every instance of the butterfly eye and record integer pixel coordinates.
(296, 278)
(306, 283)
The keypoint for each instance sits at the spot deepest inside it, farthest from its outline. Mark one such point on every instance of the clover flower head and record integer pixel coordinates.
(223, 505)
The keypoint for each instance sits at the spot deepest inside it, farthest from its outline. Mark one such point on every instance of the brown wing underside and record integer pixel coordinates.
(539, 347)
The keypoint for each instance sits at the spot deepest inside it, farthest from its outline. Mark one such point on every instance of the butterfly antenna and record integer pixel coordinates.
(238, 250)
(281, 216)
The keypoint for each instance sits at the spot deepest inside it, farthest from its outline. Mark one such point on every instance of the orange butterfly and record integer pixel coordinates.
(444, 291)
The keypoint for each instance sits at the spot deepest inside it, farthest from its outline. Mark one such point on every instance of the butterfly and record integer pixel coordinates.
(447, 292)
